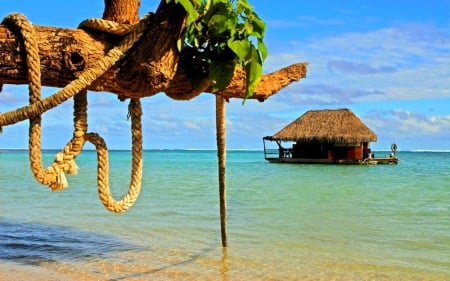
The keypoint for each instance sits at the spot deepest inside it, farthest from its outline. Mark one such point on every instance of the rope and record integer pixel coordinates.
(106, 26)
(85, 79)
(54, 176)
(102, 168)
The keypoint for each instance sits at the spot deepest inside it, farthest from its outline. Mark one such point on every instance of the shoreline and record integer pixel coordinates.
(11, 271)
(20, 272)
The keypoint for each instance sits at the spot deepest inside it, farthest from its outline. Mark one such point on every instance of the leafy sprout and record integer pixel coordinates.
(221, 34)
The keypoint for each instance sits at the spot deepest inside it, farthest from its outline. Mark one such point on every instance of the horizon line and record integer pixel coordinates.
(210, 149)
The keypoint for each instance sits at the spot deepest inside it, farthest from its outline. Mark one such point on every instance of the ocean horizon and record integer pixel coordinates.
(212, 149)
(284, 221)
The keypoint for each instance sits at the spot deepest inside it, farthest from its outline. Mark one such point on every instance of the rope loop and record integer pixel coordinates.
(54, 176)
(82, 82)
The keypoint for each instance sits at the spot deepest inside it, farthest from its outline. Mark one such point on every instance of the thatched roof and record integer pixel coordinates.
(330, 125)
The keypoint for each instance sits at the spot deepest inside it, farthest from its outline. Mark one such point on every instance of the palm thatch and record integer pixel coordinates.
(326, 126)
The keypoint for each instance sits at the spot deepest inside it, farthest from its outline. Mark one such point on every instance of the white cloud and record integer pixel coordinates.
(399, 63)
(408, 125)
(357, 67)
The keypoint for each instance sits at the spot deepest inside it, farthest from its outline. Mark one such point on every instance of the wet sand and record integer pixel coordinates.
(20, 272)
(11, 271)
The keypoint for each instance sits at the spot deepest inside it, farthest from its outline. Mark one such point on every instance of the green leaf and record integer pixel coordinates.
(259, 27)
(243, 6)
(231, 24)
(179, 44)
(262, 49)
(191, 11)
(253, 70)
(221, 72)
(217, 7)
(218, 24)
(241, 48)
(248, 28)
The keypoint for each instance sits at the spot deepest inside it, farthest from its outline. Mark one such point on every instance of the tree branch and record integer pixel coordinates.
(153, 65)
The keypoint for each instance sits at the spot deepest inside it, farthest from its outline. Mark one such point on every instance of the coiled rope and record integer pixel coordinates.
(54, 176)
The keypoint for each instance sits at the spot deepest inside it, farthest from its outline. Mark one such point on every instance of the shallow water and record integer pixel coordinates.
(297, 222)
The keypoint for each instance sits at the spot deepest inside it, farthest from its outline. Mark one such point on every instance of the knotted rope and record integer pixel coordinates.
(85, 79)
(54, 176)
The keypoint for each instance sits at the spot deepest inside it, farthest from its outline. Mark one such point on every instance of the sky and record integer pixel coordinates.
(387, 61)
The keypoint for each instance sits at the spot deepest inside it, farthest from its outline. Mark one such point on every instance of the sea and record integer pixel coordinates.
(284, 221)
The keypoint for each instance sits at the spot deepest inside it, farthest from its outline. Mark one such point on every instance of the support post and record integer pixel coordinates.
(221, 154)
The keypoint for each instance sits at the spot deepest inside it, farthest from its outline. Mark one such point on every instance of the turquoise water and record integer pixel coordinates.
(285, 222)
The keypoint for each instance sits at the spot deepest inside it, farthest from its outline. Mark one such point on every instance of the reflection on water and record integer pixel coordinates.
(224, 264)
(88, 254)
(34, 244)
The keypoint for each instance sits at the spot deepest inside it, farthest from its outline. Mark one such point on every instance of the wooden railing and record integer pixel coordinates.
(271, 153)
(278, 153)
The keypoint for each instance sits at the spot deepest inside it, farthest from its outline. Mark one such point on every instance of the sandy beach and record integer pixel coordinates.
(11, 271)
(19, 272)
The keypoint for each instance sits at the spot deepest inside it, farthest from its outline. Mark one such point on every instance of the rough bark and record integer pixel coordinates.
(64, 54)
(152, 66)
(122, 11)
(181, 89)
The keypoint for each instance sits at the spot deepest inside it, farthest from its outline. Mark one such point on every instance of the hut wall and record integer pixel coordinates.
(355, 153)
(366, 150)
(316, 150)
(348, 153)
(310, 150)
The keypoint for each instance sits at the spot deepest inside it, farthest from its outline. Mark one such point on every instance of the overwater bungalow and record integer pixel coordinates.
(331, 136)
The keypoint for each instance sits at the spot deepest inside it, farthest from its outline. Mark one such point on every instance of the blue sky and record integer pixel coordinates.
(388, 61)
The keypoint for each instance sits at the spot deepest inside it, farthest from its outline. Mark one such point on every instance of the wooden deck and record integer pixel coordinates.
(285, 156)
(372, 161)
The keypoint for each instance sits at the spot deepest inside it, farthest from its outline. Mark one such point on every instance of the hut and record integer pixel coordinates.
(326, 136)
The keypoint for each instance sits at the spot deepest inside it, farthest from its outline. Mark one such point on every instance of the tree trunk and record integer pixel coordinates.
(122, 11)
(221, 159)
